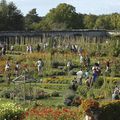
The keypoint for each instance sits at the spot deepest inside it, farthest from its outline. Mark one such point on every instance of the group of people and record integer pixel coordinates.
(29, 49)
(91, 73)
(8, 67)
(17, 68)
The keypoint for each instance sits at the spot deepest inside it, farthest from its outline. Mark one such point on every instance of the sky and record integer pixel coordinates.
(97, 7)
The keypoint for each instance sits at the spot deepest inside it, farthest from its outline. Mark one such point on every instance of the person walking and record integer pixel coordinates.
(79, 77)
(17, 67)
(7, 71)
(40, 65)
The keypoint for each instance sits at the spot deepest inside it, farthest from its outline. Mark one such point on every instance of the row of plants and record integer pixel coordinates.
(59, 87)
(52, 114)
(58, 80)
(108, 110)
(29, 94)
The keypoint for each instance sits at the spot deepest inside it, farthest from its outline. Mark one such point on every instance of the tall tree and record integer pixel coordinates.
(3, 14)
(89, 21)
(63, 16)
(31, 19)
(10, 17)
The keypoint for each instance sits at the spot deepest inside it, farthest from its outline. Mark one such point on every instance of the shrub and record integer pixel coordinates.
(10, 111)
(77, 101)
(73, 71)
(55, 64)
(52, 114)
(89, 104)
(42, 95)
(5, 93)
(90, 94)
(99, 82)
(58, 80)
(55, 72)
(69, 96)
(82, 91)
(110, 110)
(55, 94)
(54, 86)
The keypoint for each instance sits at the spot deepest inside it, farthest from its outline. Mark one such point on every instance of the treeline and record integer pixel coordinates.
(63, 17)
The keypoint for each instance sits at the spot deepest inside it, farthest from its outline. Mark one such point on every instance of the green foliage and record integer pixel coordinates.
(82, 91)
(61, 17)
(55, 72)
(110, 110)
(10, 111)
(99, 82)
(31, 19)
(5, 93)
(42, 95)
(55, 94)
(89, 21)
(56, 64)
(54, 86)
(11, 18)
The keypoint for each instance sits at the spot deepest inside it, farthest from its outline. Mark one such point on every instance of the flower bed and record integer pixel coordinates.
(10, 111)
(52, 114)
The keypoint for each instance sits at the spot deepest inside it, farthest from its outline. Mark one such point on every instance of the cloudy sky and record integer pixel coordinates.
(82, 6)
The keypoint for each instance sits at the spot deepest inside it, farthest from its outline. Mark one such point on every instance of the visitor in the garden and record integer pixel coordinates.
(81, 58)
(95, 70)
(73, 48)
(27, 49)
(12, 48)
(38, 48)
(81, 50)
(7, 66)
(69, 65)
(31, 48)
(107, 65)
(7, 71)
(40, 65)
(3, 50)
(89, 81)
(17, 67)
(86, 74)
(87, 59)
(74, 85)
(79, 76)
(115, 95)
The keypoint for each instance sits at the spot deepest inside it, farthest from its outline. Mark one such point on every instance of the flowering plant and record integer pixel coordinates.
(11, 111)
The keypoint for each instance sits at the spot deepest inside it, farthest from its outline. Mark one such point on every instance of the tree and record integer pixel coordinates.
(10, 17)
(15, 18)
(89, 21)
(3, 14)
(62, 17)
(31, 19)
(115, 21)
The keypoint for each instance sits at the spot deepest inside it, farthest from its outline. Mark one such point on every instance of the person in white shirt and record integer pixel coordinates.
(81, 59)
(27, 49)
(39, 66)
(79, 76)
(7, 72)
(69, 64)
(12, 48)
(7, 66)
(31, 48)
